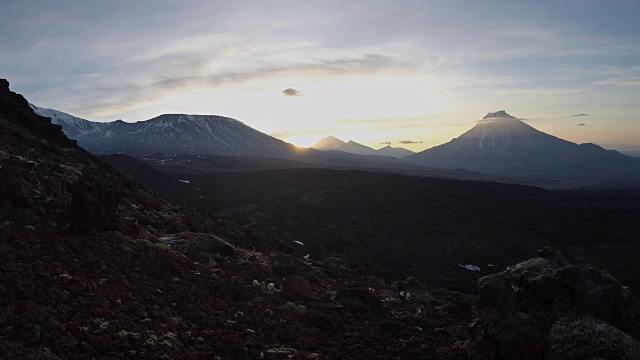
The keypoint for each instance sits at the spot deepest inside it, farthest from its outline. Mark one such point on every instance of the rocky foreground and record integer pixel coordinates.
(95, 266)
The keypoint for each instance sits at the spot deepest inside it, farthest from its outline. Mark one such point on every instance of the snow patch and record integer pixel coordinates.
(298, 242)
(470, 267)
(306, 257)
(184, 181)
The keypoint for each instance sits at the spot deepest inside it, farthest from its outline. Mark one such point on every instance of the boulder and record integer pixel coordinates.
(524, 310)
(296, 287)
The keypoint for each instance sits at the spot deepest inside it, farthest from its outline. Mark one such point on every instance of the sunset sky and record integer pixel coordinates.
(419, 72)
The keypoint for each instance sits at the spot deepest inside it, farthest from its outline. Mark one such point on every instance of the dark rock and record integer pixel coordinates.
(519, 309)
(38, 327)
(205, 247)
(364, 296)
(320, 320)
(283, 265)
(297, 288)
(160, 265)
(553, 254)
(588, 338)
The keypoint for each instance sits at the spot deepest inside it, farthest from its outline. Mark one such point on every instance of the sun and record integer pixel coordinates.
(302, 140)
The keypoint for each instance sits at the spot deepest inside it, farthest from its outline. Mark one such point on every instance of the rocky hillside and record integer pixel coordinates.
(95, 266)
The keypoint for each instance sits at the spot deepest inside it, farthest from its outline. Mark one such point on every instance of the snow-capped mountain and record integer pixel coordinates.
(502, 144)
(72, 126)
(170, 133)
(333, 143)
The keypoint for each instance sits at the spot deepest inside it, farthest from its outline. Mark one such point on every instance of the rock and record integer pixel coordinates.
(520, 310)
(364, 296)
(38, 327)
(569, 336)
(160, 266)
(205, 247)
(552, 254)
(217, 245)
(285, 265)
(297, 288)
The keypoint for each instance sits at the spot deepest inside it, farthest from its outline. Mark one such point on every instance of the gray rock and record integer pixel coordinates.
(588, 338)
(520, 311)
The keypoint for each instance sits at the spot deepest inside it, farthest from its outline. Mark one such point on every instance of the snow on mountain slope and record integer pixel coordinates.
(72, 126)
(193, 134)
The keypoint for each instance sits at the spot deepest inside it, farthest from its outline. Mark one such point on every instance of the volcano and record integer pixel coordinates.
(502, 144)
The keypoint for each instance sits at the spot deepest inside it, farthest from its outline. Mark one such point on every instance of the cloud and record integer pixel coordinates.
(582, 124)
(410, 142)
(386, 143)
(631, 80)
(291, 92)
(576, 115)
(548, 91)
(192, 72)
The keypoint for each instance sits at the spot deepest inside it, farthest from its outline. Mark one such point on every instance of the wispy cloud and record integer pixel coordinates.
(404, 142)
(539, 91)
(193, 72)
(578, 115)
(582, 124)
(630, 80)
(291, 92)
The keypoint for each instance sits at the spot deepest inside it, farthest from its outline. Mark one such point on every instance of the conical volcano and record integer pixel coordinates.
(502, 144)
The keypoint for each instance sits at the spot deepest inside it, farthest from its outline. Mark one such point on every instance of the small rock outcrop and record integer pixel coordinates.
(547, 308)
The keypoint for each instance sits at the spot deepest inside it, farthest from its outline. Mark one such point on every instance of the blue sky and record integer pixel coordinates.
(372, 71)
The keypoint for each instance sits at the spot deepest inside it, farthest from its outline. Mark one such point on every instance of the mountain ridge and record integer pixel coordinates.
(201, 135)
(333, 143)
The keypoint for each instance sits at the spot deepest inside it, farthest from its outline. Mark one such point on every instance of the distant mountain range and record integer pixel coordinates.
(499, 144)
(504, 145)
(333, 143)
(201, 135)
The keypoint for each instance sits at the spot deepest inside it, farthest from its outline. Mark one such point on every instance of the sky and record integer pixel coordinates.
(412, 73)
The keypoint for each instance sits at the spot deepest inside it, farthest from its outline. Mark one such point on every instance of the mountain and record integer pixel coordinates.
(171, 133)
(396, 152)
(502, 144)
(72, 126)
(333, 143)
(329, 143)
